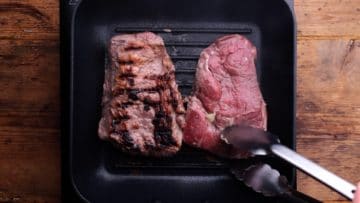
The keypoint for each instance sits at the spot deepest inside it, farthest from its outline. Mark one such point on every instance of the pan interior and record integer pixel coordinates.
(100, 172)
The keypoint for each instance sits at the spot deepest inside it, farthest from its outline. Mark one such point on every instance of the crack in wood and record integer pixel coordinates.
(350, 48)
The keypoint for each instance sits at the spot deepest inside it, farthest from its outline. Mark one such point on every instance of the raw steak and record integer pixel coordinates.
(227, 92)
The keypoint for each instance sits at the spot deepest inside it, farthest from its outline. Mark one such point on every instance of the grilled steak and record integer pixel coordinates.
(227, 93)
(142, 107)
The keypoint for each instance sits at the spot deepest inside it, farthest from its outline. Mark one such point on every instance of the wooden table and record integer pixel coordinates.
(328, 95)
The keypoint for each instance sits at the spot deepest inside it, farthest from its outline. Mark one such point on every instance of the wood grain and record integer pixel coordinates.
(29, 20)
(328, 101)
(29, 101)
(328, 115)
(328, 18)
(328, 95)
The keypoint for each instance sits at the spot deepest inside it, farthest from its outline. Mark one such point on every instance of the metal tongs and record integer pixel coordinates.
(268, 181)
(259, 142)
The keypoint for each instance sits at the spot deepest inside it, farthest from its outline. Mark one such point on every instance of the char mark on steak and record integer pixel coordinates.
(227, 93)
(142, 107)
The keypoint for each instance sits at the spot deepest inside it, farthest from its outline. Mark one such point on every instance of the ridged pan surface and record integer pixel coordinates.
(100, 173)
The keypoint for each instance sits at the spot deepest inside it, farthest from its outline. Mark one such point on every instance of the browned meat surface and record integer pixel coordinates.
(227, 93)
(142, 107)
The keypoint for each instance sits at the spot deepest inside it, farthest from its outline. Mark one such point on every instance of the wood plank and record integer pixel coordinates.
(332, 18)
(328, 110)
(32, 175)
(29, 71)
(29, 121)
(29, 101)
(24, 20)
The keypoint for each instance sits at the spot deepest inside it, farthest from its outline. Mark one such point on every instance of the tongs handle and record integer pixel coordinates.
(328, 178)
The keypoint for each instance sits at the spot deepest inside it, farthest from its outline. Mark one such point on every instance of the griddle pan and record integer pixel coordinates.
(92, 170)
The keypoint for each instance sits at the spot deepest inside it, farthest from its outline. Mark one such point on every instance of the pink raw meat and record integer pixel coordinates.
(227, 92)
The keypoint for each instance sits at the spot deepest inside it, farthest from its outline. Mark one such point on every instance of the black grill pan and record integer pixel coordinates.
(92, 169)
